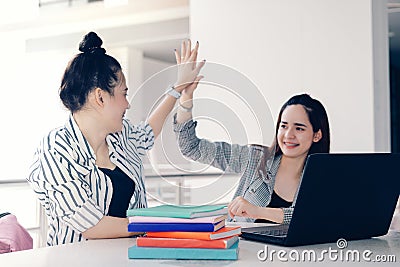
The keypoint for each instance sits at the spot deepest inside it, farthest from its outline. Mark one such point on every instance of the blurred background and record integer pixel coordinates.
(345, 53)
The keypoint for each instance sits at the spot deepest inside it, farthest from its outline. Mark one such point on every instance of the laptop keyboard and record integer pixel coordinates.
(279, 230)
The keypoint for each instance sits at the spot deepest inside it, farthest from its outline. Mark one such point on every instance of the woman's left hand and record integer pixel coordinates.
(241, 207)
(188, 67)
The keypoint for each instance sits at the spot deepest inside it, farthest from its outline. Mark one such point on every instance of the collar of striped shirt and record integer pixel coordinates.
(77, 136)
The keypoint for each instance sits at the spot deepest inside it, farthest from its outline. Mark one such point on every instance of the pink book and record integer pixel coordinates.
(147, 219)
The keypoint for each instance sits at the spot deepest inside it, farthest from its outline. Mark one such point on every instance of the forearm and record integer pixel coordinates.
(182, 114)
(109, 227)
(271, 214)
(158, 116)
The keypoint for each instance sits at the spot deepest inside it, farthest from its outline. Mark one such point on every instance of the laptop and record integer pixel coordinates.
(350, 196)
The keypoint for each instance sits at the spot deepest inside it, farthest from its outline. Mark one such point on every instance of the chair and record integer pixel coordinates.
(13, 237)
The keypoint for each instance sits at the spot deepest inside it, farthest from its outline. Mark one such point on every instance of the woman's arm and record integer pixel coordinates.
(184, 112)
(227, 157)
(241, 207)
(188, 71)
(109, 227)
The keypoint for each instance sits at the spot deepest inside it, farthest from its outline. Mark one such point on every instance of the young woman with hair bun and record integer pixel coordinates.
(88, 172)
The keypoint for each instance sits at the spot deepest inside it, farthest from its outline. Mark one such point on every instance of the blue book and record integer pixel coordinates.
(174, 227)
(179, 211)
(231, 253)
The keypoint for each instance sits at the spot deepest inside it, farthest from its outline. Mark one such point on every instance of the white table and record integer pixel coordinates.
(114, 252)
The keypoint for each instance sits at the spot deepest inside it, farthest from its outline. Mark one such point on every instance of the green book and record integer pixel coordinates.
(231, 253)
(179, 211)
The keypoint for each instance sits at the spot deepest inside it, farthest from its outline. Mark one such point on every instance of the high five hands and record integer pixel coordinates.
(188, 68)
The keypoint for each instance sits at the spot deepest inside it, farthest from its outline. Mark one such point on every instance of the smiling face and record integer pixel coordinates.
(295, 133)
(116, 105)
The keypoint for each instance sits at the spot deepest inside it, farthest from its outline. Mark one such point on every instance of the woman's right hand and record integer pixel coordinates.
(188, 69)
(243, 208)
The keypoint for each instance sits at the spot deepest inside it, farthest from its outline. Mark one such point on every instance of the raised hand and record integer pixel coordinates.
(188, 67)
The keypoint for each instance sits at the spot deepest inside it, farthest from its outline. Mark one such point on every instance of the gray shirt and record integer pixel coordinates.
(244, 159)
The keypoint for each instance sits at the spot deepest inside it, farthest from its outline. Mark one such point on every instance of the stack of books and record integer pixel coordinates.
(183, 232)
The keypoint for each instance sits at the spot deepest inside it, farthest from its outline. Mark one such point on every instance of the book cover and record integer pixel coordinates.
(231, 253)
(179, 211)
(221, 233)
(175, 227)
(222, 243)
(209, 219)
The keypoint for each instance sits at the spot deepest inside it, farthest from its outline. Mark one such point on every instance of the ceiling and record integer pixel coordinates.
(157, 40)
(163, 42)
(162, 49)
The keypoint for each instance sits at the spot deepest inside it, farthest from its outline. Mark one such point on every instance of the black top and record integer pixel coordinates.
(276, 202)
(123, 188)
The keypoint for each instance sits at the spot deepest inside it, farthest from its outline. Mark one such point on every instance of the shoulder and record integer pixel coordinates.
(58, 140)
(54, 138)
(135, 130)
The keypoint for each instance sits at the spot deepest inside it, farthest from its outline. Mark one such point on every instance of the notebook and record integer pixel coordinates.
(221, 233)
(179, 211)
(350, 196)
(147, 219)
(231, 253)
(175, 227)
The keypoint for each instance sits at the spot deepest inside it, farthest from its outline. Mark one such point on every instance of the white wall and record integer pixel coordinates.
(29, 105)
(36, 47)
(324, 48)
(157, 76)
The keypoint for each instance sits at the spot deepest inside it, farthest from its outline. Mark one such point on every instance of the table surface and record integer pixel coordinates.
(114, 252)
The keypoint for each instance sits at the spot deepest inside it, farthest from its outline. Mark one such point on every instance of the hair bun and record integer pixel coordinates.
(91, 43)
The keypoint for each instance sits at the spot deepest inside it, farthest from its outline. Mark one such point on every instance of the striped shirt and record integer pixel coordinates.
(72, 189)
(234, 158)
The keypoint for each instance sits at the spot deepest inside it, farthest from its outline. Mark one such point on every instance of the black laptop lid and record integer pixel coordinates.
(351, 196)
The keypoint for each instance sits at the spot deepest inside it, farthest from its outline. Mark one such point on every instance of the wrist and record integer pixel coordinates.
(173, 92)
(186, 96)
(179, 87)
(185, 104)
(186, 107)
(258, 212)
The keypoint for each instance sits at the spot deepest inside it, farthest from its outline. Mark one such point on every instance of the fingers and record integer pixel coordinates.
(197, 80)
(188, 68)
(183, 50)
(193, 56)
(188, 50)
(200, 65)
(194, 84)
(177, 57)
(237, 207)
(187, 54)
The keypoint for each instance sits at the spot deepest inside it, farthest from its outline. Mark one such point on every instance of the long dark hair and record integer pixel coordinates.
(319, 120)
(88, 70)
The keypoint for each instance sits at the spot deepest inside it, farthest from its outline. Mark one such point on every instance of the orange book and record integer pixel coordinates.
(221, 233)
(222, 243)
